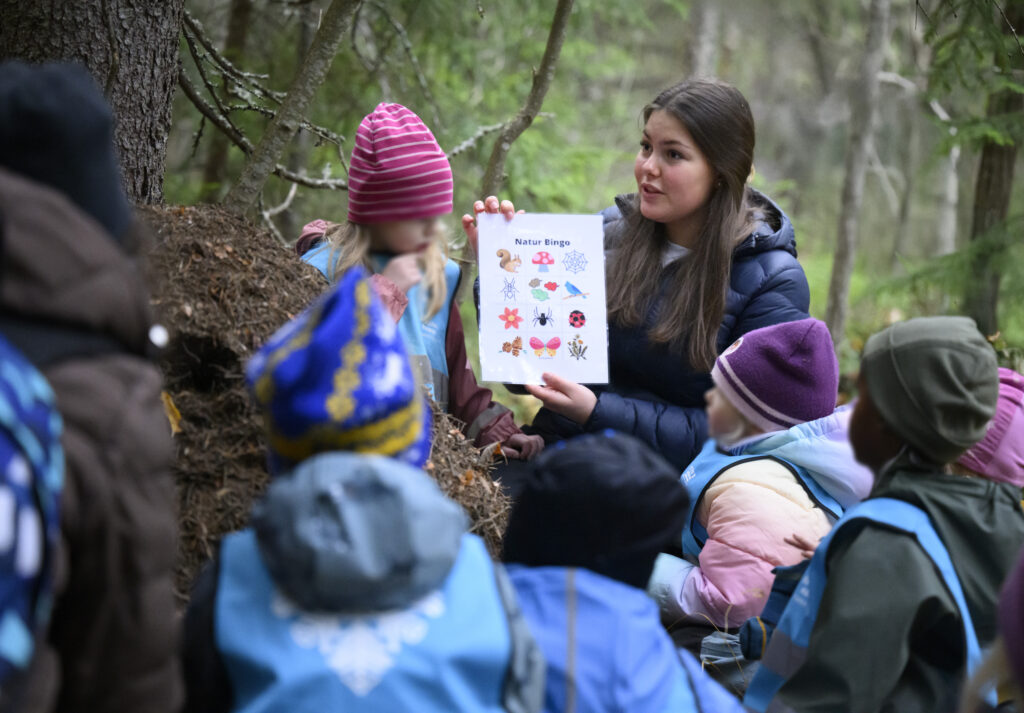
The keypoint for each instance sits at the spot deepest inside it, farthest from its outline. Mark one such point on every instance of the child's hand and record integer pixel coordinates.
(800, 542)
(404, 271)
(565, 397)
(519, 446)
(490, 205)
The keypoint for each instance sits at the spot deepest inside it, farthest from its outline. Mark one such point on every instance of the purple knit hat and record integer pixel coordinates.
(1011, 620)
(398, 171)
(1000, 454)
(781, 375)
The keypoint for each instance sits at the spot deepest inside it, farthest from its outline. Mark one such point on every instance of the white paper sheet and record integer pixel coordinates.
(542, 298)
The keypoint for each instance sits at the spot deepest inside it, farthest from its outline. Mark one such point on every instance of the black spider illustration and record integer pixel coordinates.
(541, 318)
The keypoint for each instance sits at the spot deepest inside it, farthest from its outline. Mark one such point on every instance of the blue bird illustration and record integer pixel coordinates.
(574, 291)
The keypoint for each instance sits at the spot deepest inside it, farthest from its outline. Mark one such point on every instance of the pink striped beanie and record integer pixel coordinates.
(398, 171)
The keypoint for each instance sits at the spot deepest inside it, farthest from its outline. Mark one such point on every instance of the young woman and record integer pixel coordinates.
(696, 258)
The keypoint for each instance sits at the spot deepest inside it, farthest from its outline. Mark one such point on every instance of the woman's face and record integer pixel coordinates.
(673, 177)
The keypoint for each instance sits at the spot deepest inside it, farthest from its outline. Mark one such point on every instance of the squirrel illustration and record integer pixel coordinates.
(508, 262)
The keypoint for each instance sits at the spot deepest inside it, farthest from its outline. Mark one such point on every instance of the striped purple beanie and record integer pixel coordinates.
(782, 375)
(398, 171)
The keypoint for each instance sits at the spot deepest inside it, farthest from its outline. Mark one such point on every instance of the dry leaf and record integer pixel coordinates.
(173, 414)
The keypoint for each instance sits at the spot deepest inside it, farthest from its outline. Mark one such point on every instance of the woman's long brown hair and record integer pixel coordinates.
(719, 120)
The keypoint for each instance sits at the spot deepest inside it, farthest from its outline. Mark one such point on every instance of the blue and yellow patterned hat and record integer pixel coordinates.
(337, 378)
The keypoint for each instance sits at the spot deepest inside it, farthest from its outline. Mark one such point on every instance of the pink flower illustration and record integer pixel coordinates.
(511, 318)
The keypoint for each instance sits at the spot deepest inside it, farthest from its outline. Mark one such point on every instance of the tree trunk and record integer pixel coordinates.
(287, 223)
(333, 28)
(131, 48)
(945, 230)
(992, 191)
(215, 168)
(909, 166)
(494, 176)
(864, 102)
(703, 50)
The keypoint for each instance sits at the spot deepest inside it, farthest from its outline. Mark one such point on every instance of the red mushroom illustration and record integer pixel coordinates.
(542, 260)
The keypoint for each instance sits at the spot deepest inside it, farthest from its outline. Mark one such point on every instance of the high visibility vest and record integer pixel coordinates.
(453, 650)
(787, 649)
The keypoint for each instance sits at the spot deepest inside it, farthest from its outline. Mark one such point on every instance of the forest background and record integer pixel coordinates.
(886, 129)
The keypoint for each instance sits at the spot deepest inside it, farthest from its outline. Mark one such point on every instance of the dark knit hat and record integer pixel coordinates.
(934, 381)
(781, 375)
(57, 129)
(338, 378)
(605, 502)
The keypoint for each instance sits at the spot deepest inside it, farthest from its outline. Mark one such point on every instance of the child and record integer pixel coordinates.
(777, 463)
(31, 478)
(75, 303)
(899, 599)
(999, 456)
(400, 183)
(1004, 666)
(356, 587)
(582, 537)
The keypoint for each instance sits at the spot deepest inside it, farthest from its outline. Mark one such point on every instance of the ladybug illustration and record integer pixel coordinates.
(577, 319)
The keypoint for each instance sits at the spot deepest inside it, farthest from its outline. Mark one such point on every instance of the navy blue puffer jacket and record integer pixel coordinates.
(656, 395)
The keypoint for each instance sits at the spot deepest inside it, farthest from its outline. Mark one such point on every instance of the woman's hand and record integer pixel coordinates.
(565, 397)
(404, 271)
(520, 446)
(489, 205)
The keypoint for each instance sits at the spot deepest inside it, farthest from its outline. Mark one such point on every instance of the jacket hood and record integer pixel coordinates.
(980, 521)
(61, 270)
(773, 230)
(349, 533)
(823, 449)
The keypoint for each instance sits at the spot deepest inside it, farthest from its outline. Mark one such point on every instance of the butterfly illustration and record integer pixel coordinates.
(539, 347)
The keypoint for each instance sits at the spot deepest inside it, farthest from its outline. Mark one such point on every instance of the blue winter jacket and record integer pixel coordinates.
(605, 648)
(657, 396)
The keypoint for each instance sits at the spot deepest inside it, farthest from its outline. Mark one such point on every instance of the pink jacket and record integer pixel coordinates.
(749, 511)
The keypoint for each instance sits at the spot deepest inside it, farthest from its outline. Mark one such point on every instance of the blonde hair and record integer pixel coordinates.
(350, 246)
(994, 672)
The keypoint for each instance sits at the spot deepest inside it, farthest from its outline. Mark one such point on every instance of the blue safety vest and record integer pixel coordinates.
(711, 463)
(787, 649)
(425, 341)
(450, 651)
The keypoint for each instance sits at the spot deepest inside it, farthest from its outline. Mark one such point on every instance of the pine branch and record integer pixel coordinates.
(285, 124)
(239, 139)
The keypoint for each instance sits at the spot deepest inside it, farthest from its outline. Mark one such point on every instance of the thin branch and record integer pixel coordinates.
(471, 141)
(263, 160)
(196, 28)
(403, 36)
(265, 215)
(542, 77)
(882, 171)
(900, 81)
(206, 81)
(276, 210)
(239, 140)
(1013, 30)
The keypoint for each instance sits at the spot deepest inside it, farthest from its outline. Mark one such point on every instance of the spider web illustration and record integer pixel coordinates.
(509, 290)
(575, 261)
